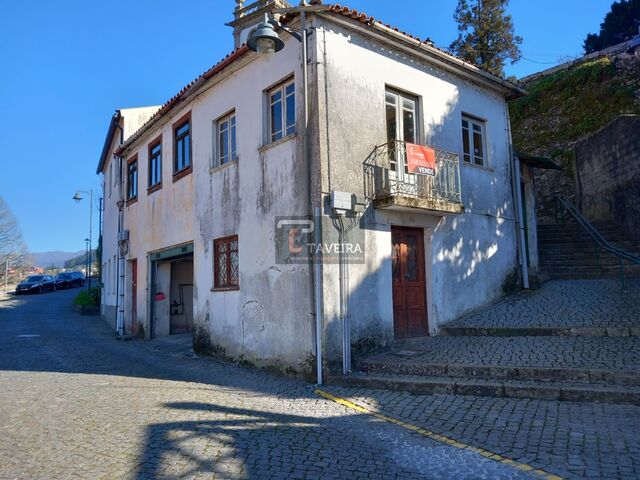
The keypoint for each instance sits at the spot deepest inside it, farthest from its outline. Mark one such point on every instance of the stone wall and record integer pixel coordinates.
(607, 171)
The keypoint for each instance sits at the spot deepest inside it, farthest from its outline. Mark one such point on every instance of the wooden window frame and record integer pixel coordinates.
(178, 174)
(153, 144)
(227, 285)
(132, 198)
(282, 89)
(232, 131)
(468, 132)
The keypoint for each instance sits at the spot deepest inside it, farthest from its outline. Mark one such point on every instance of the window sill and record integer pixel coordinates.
(131, 201)
(225, 289)
(268, 146)
(480, 167)
(182, 173)
(217, 168)
(155, 188)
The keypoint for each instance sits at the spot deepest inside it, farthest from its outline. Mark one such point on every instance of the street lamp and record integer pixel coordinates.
(86, 259)
(264, 40)
(77, 197)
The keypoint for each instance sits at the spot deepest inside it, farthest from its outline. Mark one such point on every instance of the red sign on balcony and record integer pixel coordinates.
(421, 159)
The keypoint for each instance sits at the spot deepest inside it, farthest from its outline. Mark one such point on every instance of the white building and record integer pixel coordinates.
(217, 191)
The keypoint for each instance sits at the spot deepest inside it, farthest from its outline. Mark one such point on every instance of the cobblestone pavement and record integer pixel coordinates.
(75, 403)
(574, 440)
(614, 353)
(559, 303)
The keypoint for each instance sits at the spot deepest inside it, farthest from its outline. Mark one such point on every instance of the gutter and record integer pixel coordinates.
(434, 56)
(115, 123)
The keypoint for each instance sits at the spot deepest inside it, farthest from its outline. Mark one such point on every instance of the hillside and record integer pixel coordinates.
(564, 107)
(56, 258)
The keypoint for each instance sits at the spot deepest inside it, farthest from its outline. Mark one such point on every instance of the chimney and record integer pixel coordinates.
(247, 16)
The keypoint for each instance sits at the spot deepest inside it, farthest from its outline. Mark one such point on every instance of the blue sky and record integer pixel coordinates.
(67, 65)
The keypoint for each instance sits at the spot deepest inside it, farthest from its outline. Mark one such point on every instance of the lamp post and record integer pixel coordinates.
(87, 273)
(265, 40)
(77, 197)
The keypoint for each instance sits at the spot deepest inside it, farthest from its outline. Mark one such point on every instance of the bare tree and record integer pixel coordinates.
(12, 247)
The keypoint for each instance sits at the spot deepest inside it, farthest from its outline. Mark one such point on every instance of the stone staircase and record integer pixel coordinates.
(567, 251)
(576, 340)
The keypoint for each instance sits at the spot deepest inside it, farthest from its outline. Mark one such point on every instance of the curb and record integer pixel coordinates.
(438, 438)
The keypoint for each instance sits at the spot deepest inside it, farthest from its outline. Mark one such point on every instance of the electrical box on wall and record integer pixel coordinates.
(342, 201)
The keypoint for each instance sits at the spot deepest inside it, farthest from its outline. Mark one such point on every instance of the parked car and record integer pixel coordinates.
(36, 284)
(69, 280)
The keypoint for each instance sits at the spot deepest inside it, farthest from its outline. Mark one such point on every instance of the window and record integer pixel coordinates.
(132, 178)
(225, 264)
(182, 145)
(473, 141)
(226, 139)
(282, 111)
(155, 164)
(402, 123)
(110, 177)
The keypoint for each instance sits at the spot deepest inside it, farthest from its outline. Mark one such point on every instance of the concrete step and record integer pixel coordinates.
(565, 391)
(498, 331)
(499, 373)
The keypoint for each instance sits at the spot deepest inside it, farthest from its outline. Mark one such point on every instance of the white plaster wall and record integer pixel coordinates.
(471, 253)
(267, 321)
(241, 198)
(131, 120)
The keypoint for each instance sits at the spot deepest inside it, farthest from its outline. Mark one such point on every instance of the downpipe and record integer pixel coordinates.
(517, 198)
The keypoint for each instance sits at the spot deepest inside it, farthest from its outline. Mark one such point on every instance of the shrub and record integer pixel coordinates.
(88, 298)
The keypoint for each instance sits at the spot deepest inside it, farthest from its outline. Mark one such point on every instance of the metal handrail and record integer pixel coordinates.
(381, 181)
(598, 238)
(591, 230)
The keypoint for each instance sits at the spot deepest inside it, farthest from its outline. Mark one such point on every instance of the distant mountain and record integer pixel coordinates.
(56, 258)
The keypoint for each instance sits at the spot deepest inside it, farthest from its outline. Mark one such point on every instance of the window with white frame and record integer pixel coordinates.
(474, 141)
(226, 146)
(282, 110)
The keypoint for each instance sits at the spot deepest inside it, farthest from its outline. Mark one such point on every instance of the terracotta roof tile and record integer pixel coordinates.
(173, 101)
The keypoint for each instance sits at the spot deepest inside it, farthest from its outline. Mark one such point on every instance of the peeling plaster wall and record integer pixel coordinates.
(469, 255)
(157, 220)
(131, 120)
(267, 322)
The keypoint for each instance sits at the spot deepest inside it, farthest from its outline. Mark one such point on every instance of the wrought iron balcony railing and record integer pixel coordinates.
(386, 175)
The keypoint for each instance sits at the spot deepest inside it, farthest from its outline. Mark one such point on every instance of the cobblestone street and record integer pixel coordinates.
(75, 403)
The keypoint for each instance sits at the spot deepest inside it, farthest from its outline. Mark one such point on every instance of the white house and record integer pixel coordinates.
(220, 185)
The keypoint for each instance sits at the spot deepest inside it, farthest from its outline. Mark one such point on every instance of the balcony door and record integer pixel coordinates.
(408, 282)
(402, 126)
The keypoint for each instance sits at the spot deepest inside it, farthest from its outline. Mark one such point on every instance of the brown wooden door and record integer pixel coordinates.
(134, 297)
(409, 286)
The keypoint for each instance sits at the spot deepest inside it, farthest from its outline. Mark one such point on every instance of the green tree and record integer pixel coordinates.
(620, 24)
(486, 36)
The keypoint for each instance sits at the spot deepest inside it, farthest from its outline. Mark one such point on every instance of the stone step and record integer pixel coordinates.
(500, 373)
(606, 271)
(535, 331)
(605, 261)
(582, 235)
(565, 391)
(586, 246)
(588, 276)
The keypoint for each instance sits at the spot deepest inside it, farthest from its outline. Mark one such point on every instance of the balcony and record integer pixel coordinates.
(389, 185)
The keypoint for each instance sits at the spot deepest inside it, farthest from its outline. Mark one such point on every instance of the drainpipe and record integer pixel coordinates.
(314, 210)
(120, 262)
(517, 198)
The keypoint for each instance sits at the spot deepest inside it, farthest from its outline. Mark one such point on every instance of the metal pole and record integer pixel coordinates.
(90, 231)
(313, 212)
(6, 274)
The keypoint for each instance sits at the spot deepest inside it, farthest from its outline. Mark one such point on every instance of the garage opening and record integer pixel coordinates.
(172, 291)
